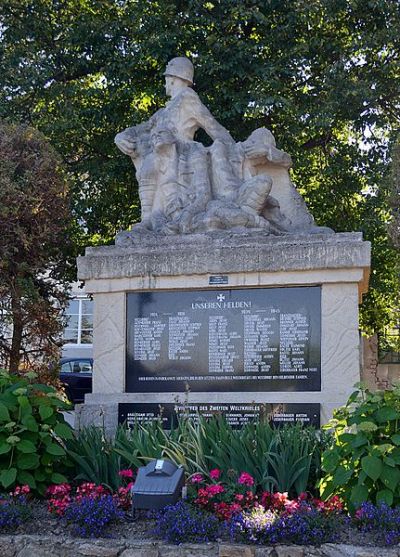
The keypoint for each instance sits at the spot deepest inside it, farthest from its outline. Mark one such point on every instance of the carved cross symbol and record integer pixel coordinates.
(220, 297)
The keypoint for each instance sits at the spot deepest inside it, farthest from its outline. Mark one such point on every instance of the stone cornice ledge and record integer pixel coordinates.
(217, 253)
(64, 546)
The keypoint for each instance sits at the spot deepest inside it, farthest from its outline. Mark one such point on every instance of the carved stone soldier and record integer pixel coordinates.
(185, 187)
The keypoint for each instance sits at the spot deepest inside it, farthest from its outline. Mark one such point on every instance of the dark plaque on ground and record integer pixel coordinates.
(253, 339)
(236, 414)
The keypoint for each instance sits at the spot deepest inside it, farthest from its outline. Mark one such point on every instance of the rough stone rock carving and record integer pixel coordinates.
(186, 188)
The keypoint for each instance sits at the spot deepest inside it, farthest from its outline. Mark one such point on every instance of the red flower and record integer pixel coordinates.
(245, 479)
(197, 479)
(215, 474)
(214, 489)
(126, 473)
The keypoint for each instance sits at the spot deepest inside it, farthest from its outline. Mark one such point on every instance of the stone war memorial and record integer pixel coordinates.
(226, 297)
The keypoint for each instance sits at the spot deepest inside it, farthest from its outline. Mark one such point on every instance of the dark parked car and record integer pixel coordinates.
(76, 373)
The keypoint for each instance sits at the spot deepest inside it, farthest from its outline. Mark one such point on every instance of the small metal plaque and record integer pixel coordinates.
(218, 279)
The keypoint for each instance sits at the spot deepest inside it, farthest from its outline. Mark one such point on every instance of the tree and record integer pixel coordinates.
(34, 219)
(394, 229)
(322, 75)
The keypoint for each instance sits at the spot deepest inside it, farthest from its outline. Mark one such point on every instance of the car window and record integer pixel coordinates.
(66, 367)
(86, 367)
(77, 366)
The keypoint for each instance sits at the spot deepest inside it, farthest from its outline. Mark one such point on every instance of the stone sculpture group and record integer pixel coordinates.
(187, 188)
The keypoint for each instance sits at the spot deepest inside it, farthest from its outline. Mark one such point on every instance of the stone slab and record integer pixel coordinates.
(226, 253)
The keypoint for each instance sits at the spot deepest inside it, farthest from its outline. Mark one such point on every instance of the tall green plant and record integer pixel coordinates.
(32, 433)
(363, 463)
(289, 458)
(141, 443)
(95, 458)
(283, 459)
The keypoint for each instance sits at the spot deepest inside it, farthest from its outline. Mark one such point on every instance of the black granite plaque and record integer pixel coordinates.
(253, 339)
(236, 414)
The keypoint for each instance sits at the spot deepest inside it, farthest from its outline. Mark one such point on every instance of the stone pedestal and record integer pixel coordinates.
(339, 263)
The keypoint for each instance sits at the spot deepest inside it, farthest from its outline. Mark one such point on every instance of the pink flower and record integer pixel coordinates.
(215, 474)
(125, 473)
(20, 490)
(196, 478)
(245, 479)
(215, 489)
(58, 489)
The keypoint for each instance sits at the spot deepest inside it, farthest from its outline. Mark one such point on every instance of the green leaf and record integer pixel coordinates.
(395, 454)
(4, 414)
(26, 446)
(55, 449)
(372, 466)
(23, 401)
(389, 461)
(385, 447)
(40, 476)
(359, 494)
(326, 490)
(30, 423)
(390, 477)
(384, 496)
(341, 476)
(5, 448)
(28, 461)
(26, 478)
(47, 459)
(396, 438)
(359, 440)
(330, 460)
(64, 431)
(58, 478)
(7, 477)
(385, 414)
(45, 412)
(367, 426)
(353, 397)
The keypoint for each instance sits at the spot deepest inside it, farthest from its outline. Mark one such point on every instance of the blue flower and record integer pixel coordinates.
(90, 516)
(182, 523)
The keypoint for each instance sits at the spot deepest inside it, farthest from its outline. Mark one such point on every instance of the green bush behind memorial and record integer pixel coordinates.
(363, 464)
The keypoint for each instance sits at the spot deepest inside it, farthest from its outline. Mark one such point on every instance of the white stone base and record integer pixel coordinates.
(339, 263)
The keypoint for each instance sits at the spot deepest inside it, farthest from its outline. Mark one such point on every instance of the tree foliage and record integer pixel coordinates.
(322, 75)
(34, 219)
(394, 229)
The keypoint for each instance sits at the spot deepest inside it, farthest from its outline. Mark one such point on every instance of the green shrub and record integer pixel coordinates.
(363, 464)
(32, 430)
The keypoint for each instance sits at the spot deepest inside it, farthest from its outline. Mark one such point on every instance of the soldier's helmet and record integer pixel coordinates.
(180, 67)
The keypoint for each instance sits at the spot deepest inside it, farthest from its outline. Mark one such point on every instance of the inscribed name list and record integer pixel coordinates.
(255, 339)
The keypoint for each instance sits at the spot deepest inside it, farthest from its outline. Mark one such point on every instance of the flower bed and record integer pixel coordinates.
(214, 510)
(272, 502)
